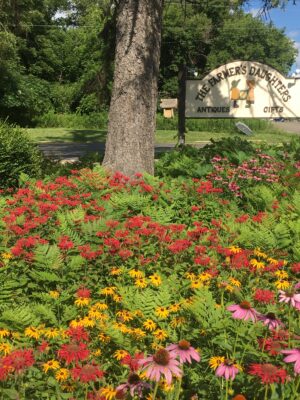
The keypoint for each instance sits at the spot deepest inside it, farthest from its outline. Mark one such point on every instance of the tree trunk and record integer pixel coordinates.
(131, 127)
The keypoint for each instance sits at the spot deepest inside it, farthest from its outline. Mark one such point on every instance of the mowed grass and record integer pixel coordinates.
(161, 137)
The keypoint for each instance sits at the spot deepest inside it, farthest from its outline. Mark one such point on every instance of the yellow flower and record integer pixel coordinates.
(87, 322)
(121, 327)
(138, 333)
(108, 392)
(97, 315)
(166, 388)
(16, 335)
(4, 333)
(162, 312)
(258, 253)
(235, 282)
(214, 362)
(135, 273)
(235, 249)
(190, 275)
(204, 276)
(97, 353)
(104, 338)
(82, 301)
(141, 283)
(125, 315)
(32, 332)
(54, 294)
(100, 306)
(149, 325)
(282, 284)
(52, 364)
(62, 375)
(229, 288)
(5, 348)
(160, 334)
(117, 298)
(177, 321)
(196, 283)
(51, 333)
(272, 261)
(6, 256)
(281, 274)
(108, 291)
(257, 264)
(116, 271)
(155, 279)
(120, 354)
(174, 307)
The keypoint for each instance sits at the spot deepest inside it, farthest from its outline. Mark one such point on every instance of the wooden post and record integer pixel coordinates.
(181, 105)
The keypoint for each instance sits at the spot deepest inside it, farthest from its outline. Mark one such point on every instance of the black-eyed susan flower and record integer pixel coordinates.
(160, 334)
(234, 282)
(141, 283)
(5, 348)
(280, 274)
(62, 374)
(215, 362)
(54, 294)
(32, 332)
(82, 301)
(108, 392)
(125, 315)
(149, 325)
(108, 291)
(120, 354)
(162, 312)
(51, 333)
(282, 284)
(104, 338)
(4, 333)
(155, 279)
(257, 264)
(135, 273)
(49, 365)
(100, 306)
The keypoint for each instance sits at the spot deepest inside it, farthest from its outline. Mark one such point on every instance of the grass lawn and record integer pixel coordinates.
(166, 136)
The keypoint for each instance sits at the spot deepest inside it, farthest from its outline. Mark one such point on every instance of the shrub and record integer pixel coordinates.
(17, 154)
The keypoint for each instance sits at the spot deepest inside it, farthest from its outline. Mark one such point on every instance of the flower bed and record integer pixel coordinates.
(115, 288)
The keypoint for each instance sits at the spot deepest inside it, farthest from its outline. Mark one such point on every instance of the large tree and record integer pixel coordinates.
(130, 142)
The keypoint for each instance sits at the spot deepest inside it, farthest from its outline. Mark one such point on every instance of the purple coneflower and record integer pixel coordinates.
(162, 362)
(134, 385)
(290, 297)
(269, 320)
(293, 356)
(185, 351)
(227, 369)
(243, 311)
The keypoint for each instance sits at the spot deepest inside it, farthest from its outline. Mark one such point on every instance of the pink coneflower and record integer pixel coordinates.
(268, 373)
(134, 385)
(290, 298)
(185, 351)
(162, 362)
(293, 356)
(87, 373)
(227, 369)
(269, 320)
(243, 311)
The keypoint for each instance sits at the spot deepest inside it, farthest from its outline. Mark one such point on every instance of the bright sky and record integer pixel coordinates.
(288, 18)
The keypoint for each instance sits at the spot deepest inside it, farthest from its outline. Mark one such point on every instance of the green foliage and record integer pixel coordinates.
(17, 155)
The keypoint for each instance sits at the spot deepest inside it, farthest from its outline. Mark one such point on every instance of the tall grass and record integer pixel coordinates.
(100, 120)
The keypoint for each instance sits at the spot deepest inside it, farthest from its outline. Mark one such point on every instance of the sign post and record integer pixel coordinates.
(181, 104)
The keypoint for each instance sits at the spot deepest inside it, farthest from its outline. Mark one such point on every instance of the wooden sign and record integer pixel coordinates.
(243, 89)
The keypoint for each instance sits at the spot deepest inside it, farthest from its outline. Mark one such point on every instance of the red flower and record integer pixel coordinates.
(273, 347)
(18, 360)
(78, 333)
(83, 292)
(264, 296)
(268, 373)
(87, 373)
(132, 362)
(65, 243)
(179, 245)
(73, 352)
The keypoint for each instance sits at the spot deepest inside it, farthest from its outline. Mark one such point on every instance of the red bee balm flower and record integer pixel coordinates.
(73, 352)
(87, 373)
(18, 360)
(268, 373)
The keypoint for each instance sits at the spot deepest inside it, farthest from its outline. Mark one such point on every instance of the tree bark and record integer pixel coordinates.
(132, 114)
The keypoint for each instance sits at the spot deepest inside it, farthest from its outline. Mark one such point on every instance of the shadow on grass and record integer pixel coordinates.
(88, 135)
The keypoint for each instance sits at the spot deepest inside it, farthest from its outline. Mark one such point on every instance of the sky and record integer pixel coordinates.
(288, 18)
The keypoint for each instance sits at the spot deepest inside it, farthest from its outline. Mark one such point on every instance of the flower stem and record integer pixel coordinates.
(177, 393)
(289, 326)
(155, 391)
(266, 392)
(226, 388)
